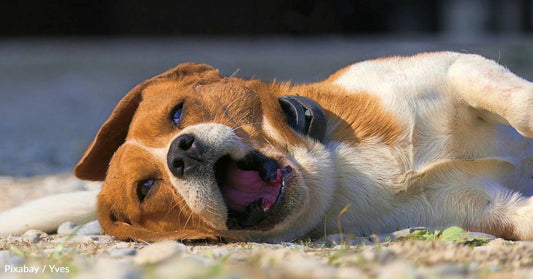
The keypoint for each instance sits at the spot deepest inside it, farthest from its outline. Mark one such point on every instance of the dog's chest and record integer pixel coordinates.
(367, 178)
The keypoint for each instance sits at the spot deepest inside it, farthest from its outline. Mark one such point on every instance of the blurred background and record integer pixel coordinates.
(65, 64)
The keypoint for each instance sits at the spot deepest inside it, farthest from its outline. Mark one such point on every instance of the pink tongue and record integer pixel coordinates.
(243, 187)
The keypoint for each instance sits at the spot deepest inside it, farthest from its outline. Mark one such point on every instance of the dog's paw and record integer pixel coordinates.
(521, 112)
(523, 220)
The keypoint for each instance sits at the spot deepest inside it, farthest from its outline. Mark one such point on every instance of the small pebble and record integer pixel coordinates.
(485, 249)
(304, 266)
(60, 240)
(481, 235)
(188, 266)
(397, 269)
(102, 239)
(159, 252)
(126, 261)
(80, 239)
(121, 245)
(386, 237)
(499, 242)
(525, 243)
(13, 238)
(113, 268)
(33, 236)
(379, 238)
(473, 266)
(66, 228)
(405, 232)
(4, 254)
(446, 270)
(14, 260)
(123, 252)
(91, 228)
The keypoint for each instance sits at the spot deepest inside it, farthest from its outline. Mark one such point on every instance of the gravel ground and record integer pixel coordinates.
(101, 256)
(82, 252)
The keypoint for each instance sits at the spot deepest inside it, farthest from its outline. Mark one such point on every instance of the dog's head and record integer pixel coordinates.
(189, 154)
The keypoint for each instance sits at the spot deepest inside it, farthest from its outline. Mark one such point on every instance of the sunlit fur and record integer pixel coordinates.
(410, 141)
(435, 139)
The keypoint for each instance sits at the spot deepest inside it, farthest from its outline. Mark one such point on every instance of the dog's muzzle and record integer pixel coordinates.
(184, 155)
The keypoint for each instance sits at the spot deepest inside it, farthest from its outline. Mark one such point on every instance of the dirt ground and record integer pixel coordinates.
(38, 255)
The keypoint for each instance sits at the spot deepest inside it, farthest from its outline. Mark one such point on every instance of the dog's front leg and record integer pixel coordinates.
(485, 85)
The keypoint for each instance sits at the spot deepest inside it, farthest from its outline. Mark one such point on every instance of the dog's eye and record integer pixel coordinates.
(144, 187)
(176, 114)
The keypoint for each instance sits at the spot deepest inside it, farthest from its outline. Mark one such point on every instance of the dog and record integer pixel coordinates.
(435, 139)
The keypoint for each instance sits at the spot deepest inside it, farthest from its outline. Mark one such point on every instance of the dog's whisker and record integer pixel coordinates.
(235, 73)
(187, 222)
(175, 204)
(182, 207)
(212, 211)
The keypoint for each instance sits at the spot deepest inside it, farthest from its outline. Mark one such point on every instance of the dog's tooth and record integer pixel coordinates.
(266, 205)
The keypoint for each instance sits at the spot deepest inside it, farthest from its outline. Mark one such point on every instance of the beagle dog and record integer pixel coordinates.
(435, 139)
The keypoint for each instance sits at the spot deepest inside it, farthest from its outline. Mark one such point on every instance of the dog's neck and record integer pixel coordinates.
(364, 120)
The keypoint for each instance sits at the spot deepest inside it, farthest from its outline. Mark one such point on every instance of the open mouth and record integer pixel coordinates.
(251, 187)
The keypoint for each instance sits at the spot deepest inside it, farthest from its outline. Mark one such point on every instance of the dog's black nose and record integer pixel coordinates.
(184, 155)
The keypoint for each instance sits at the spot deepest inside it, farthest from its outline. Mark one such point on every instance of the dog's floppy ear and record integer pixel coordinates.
(93, 165)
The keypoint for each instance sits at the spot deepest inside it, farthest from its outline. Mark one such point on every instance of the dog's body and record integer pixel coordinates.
(435, 139)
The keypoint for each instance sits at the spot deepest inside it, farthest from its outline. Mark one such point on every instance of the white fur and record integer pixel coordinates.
(201, 193)
(456, 162)
(48, 213)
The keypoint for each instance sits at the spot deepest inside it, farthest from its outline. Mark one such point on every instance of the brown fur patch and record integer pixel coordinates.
(208, 98)
(333, 77)
(162, 215)
(352, 116)
(94, 163)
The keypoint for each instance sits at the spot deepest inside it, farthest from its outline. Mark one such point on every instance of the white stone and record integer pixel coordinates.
(123, 252)
(481, 235)
(33, 236)
(397, 269)
(405, 232)
(80, 239)
(90, 228)
(66, 228)
(159, 252)
(446, 270)
(112, 268)
(188, 266)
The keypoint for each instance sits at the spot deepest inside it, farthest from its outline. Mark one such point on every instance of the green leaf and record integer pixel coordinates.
(420, 232)
(419, 235)
(454, 234)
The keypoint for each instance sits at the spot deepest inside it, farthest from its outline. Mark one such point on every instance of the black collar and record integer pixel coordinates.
(304, 115)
